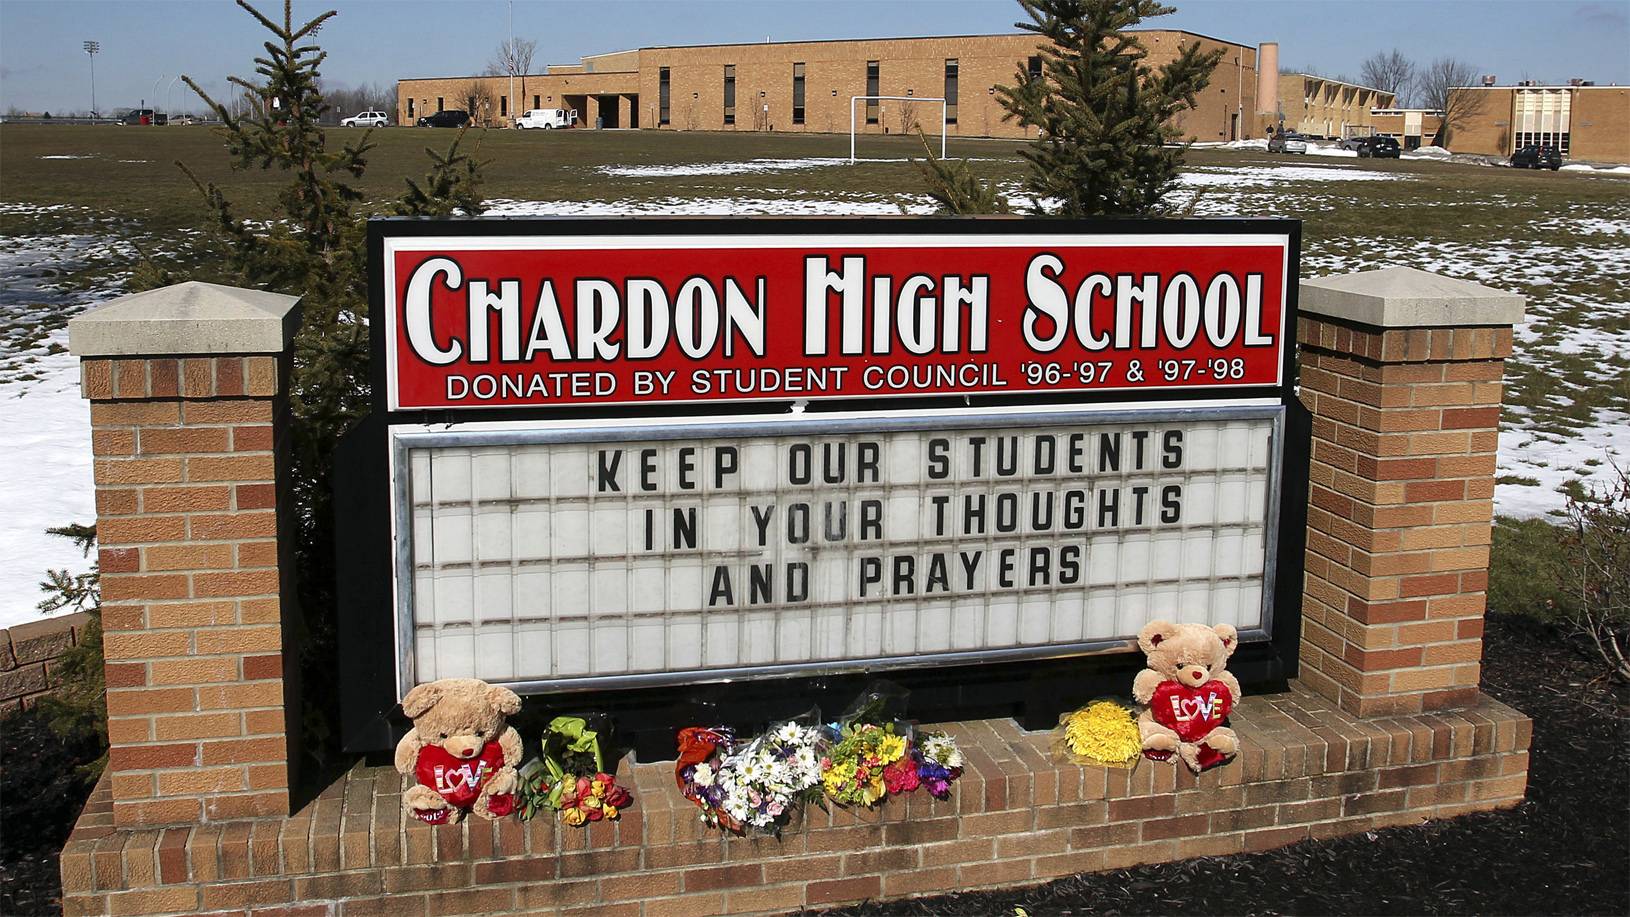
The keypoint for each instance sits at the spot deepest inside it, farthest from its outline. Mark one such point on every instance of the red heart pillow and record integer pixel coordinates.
(458, 780)
(1191, 712)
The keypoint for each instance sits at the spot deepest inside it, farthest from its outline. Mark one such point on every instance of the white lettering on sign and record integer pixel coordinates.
(579, 559)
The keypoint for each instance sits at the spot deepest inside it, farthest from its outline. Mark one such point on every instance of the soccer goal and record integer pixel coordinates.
(904, 112)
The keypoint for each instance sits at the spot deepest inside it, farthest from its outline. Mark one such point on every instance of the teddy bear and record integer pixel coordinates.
(460, 750)
(1189, 693)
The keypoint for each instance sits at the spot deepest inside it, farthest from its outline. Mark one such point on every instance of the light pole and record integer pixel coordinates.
(154, 116)
(167, 91)
(91, 47)
(509, 53)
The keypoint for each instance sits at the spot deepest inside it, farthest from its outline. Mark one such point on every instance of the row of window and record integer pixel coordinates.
(1556, 140)
(503, 104)
(873, 88)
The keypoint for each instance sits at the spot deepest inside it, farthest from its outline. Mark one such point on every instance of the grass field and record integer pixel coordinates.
(80, 207)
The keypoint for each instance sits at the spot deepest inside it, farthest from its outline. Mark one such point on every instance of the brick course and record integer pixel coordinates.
(28, 654)
(1308, 770)
(1401, 478)
(187, 454)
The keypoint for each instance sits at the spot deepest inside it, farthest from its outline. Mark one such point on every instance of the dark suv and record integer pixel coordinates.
(1379, 147)
(449, 117)
(1534, 156)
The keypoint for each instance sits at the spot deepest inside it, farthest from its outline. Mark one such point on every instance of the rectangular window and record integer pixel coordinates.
(410, 108)
(1034, 66)
(872, 84)
(798, 93)
(503, 106)
(950, 90)
(535, 102)
(664, 91)
(730, 93)
(440, 104)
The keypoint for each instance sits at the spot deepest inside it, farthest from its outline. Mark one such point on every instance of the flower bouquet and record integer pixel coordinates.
(570, 778)
(875, 754)
(756, 785)
(1103, 733)
(696, 770)
(939, 762)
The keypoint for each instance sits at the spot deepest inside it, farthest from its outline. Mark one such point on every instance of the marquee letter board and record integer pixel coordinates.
(623, 454)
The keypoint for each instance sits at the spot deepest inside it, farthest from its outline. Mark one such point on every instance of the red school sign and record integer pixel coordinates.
(562, 313)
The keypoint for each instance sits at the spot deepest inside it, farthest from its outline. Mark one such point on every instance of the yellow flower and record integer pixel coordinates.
(574, 817)
(890, 749)
(1103, 732)
(838, 775)
(873, 790)
(597, 788)
(610, 811)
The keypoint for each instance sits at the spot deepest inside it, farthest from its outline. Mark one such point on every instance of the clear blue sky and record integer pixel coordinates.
(147, 43)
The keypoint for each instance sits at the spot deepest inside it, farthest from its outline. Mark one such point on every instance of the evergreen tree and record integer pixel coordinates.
(1102, 115)
(318, 251)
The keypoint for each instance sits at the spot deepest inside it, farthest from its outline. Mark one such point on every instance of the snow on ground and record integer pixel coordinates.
(1598, 170)
(1551, 462)
(718, 206)
(45, 479)
(1427, 152)
(1264, 176)
(746, 167)
(1315, 148)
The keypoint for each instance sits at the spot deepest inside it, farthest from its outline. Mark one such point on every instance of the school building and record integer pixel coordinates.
(807, 86)
(1583, 121)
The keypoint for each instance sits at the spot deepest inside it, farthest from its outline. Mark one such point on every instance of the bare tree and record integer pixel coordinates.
(1389, 71)
(907, 114)
(476, 97)
(1438, 87)
(514, 58)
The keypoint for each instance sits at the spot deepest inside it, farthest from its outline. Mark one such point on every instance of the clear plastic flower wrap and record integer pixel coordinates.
(1103, 732)
(764, 781)
(875, 752)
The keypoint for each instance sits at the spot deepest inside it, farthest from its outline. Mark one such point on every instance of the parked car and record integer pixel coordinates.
(546, 118)
(1287, 142)
(1373, 147)
(144, 116)
(366, 119)
(449, 117)
(1534, 156)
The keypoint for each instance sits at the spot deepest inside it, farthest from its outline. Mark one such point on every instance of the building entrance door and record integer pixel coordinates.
(608, 111)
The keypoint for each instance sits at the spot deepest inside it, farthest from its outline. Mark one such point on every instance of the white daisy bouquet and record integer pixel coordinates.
(762, 782)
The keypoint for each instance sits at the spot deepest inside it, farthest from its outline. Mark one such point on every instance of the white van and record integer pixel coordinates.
(547, 118)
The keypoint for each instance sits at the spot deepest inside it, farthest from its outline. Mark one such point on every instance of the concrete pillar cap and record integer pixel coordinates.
(1404, 297)
(193, 318)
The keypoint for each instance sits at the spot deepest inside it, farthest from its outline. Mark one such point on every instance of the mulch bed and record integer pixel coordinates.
(42, 789)
(1564, 850)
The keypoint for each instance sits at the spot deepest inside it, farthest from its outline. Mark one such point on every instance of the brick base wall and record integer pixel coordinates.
(1307, 770)
(28, 653)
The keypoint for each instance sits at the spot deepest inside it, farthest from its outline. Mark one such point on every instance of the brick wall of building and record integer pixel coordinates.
(28, 653)
(1599, 122)
(835, 71)
(1320, 107)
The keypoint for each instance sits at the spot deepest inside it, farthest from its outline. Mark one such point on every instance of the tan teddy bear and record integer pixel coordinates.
(1189, 693)
(460, 750)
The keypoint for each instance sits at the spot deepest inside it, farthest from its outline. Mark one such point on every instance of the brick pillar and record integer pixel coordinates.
(1402, 372)
(189, 420)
